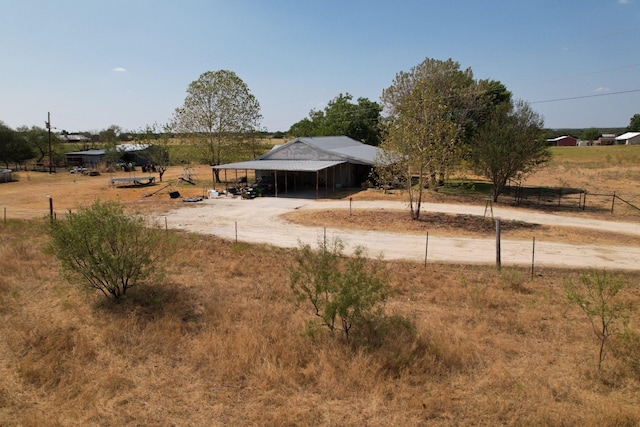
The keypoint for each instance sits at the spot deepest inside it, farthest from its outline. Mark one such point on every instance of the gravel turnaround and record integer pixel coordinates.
(259, 221)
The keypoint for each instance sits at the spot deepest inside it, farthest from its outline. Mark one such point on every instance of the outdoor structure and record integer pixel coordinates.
(140, 181)
(606, 139)
(136, 154)
(74, 137)
(85, 159)
(563, 141)
(629, 138)
(323, 163)
(5, 175)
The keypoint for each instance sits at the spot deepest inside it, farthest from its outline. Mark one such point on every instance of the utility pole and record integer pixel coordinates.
(49, 128)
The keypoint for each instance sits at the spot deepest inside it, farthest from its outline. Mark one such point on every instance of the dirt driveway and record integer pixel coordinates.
(259, 221)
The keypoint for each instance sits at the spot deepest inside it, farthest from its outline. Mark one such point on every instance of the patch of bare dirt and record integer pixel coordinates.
(451, 225)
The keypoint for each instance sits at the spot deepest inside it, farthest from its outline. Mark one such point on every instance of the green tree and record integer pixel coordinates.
(427, 109)
(14, 147)
(38, 139)
(158, 150)
(489, 94)
(219, 110)
(342, 116)
(591, 134)
(509, 145)
(105, 248)
(598, 296)
(343, 293)
(110, 135)
(634, 124)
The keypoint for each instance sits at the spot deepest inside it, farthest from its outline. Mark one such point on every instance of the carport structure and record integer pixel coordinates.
(323, 163)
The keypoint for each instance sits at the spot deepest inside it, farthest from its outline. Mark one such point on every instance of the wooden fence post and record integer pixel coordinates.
(426, 250)
(613, 201)
(533, 256)
(498, 257)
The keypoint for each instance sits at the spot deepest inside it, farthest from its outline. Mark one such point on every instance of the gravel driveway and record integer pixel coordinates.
(259, 221)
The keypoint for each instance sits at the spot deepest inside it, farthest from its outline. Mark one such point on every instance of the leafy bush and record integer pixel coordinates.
(107, 249)
(344, 292)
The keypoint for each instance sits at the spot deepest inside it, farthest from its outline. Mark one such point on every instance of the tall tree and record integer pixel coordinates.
(157, 137)
(427, 109)
(634, 124)
(488, 94)
(14, 147)
(219, 110)
(342, 116)
(111, 134)
(509, 145)
(591, 134)
(38, 139)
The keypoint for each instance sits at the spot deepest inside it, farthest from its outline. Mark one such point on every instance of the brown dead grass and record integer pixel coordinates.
(218, 341)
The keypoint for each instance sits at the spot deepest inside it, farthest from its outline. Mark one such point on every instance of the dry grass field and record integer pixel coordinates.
(219, 342)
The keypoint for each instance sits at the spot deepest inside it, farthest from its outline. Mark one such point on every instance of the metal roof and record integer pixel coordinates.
(342, 146)
(282, 165)
(88, 153)
(627, 135)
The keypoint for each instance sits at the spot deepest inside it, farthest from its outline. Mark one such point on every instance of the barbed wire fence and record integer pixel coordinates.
(567, 198)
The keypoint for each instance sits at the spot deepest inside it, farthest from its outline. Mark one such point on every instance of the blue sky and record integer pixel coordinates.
(93, 64)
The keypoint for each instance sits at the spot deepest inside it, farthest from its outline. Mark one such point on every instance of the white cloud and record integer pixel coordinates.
(624, 1)
(119, 70)
(602, 89)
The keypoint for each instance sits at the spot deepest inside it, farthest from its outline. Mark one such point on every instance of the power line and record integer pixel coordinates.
(585, 96)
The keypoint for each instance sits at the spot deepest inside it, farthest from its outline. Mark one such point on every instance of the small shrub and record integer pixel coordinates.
(105, 248)
(597, 295)
(343, 293)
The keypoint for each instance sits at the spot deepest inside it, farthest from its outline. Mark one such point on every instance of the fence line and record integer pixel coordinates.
(564, 198)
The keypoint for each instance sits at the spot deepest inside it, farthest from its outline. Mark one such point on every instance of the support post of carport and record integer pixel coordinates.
(326, 182)
(317, 183)
(275, 181)
(286, 186)
(333, 170)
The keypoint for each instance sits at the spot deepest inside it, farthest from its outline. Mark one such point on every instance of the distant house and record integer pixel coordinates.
(563, 141)
(629, 138)
(606, 139)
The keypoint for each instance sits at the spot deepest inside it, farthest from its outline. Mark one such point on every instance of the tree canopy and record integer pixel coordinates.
(218, 110)
(342, 116)
(509, 145)
(427, 112)
(634, 124)
(37, 139)
(591, 134)
(14, 148)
